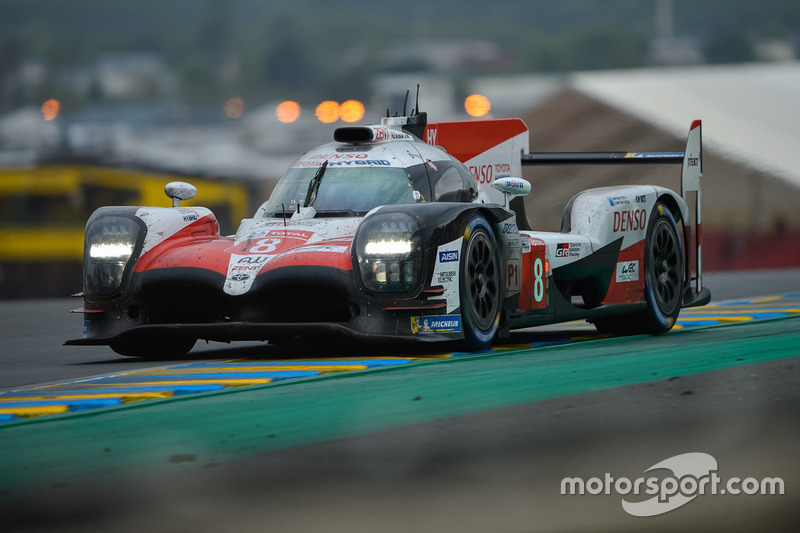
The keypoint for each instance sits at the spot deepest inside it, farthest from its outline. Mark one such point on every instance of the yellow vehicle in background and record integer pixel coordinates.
(44, 208)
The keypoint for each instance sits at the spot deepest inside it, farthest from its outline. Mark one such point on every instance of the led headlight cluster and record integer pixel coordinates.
(389, 252)
(110, 243)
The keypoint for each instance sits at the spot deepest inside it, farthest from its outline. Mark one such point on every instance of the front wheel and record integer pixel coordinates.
(663, 275)
(154, 348)
(480, 283)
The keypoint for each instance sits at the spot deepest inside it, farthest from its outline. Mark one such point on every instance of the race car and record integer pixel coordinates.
(401, 231)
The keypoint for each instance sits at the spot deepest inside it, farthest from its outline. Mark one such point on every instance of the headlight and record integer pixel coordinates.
(389, 252)
(110, 243)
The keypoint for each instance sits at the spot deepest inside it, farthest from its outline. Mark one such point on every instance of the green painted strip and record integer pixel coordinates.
(142, 437)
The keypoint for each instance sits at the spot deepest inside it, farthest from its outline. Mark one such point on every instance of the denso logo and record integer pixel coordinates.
(446, 257)
(482, 173)
(634, 220)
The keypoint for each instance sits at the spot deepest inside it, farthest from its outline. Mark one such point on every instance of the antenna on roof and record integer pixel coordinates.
(405, 103)
(416, 123)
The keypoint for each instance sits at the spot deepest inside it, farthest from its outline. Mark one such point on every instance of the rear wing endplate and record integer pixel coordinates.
(691, 161)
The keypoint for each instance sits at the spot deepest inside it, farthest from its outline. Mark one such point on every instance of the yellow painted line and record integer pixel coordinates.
(737, 318)
(225, 382)
(125, 397)
(767, 299)
(34, 411)
(510, 347)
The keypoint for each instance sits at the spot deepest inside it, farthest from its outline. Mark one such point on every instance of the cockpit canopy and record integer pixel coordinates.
(339, 179)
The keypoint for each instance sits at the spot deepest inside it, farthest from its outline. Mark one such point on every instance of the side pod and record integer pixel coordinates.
(691, 161)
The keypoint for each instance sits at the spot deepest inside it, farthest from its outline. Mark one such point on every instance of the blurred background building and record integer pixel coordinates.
(103, 103)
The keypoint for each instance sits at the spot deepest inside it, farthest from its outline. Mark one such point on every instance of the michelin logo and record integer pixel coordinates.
(436, 324)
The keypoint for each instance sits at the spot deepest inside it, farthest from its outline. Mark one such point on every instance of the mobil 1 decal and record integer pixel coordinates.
(445, 271)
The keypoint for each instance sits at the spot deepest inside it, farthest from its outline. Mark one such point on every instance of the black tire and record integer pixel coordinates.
(664, 280)
(154, 348)
(481, 288)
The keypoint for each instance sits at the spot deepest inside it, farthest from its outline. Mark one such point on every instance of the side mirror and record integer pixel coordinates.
(180, 190)
(512, 187)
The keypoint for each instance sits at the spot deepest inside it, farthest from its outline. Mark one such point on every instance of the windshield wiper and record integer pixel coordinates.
(313, 185)
(341, 213)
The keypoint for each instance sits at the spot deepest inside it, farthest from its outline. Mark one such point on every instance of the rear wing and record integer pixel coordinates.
(691, 161)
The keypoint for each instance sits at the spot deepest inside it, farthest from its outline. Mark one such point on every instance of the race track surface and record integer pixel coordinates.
(428, 442)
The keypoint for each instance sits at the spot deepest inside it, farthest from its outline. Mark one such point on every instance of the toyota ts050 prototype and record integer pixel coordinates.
(399, 231)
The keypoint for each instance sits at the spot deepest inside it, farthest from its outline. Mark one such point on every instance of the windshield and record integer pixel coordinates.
(343, 189)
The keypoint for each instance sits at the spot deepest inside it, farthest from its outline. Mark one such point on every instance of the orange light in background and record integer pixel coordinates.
(234, 107)
(477, 105)
(50, 109)
(328, 111)
(352, 111)
(288, 111)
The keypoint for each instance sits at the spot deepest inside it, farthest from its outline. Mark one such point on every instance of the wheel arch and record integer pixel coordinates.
(675, 203)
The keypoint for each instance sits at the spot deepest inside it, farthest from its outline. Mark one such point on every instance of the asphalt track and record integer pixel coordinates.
(473, 442)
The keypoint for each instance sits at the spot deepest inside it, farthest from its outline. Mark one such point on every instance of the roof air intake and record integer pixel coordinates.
(352, 134)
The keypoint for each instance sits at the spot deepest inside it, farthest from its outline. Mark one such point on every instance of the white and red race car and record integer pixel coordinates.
(394, 232)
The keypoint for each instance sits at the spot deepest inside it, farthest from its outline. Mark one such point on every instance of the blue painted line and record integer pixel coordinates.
(366, 362)
(175, 389)
(137, 378)
(753, 308)
(7, 418)
(697, 323)
(86, 392)
(768, 314)
(74, 405)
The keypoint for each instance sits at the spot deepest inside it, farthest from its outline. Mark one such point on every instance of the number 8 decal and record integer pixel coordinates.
(265, 246)
(538, 281)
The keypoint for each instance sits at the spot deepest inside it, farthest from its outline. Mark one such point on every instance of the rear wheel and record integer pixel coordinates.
(481, 289)
(154, 348)
(663, 273)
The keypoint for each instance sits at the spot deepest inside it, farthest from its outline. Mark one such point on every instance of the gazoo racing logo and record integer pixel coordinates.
(567, 249)
(448, 256)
